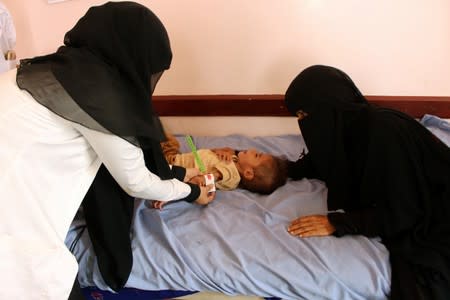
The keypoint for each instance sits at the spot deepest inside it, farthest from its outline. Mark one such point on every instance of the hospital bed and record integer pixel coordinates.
(238, 245)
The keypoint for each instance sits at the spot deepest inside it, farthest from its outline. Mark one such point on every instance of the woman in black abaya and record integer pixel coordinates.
(389, 175)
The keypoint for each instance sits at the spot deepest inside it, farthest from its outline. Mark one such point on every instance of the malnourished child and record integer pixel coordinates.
(248, 169)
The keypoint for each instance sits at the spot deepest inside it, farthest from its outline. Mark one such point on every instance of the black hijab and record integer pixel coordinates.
(103, 78)
(336, 113)
(388, 172)
(106, 68)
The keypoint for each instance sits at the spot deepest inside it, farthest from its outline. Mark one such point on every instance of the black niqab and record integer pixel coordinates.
(388, 172)
(336, 113)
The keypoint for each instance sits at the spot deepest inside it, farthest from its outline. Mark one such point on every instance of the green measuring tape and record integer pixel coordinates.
(199, 161)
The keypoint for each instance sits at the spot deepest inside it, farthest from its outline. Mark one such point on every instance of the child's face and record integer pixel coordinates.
(252, 158)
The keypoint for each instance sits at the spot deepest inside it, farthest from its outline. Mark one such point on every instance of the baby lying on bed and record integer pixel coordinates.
(248, 169)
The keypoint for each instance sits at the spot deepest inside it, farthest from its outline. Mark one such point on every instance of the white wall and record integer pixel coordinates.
(389, 47)
(220, 126)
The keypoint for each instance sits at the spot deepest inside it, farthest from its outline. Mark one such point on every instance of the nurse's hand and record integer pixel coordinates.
(190, 173)
(206, 196)
(198, 180)
(308, 226)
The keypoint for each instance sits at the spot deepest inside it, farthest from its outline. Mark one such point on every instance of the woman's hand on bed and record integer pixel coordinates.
(206, 196)
(308, 226)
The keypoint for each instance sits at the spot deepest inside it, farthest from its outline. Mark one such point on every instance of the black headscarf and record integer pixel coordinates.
(103, 78)
(106, 68)
(388, 172)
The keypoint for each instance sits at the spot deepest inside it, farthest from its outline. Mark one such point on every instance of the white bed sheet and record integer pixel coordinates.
(239, 244)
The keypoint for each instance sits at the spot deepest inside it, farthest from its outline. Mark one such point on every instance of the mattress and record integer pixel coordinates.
(239, 245)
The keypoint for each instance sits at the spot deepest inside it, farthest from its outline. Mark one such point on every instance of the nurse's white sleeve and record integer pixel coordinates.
(126, 164)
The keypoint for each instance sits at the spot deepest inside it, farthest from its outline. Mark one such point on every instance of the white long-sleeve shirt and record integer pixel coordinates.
(47, 165)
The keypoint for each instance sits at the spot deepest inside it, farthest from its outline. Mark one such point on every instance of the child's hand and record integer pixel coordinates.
(190, 173)
(224, 154)
(156, 204)
(206, 196)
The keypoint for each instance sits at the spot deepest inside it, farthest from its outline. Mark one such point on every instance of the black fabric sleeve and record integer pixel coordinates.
(195, 193)
(365, 222)
(178, 172)
(301, 168)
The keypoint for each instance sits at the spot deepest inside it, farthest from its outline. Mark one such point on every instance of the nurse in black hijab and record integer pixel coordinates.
(386, 174)
(78, 126)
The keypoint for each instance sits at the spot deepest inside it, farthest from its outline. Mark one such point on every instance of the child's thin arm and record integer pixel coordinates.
(217, 175)
(224, 149)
